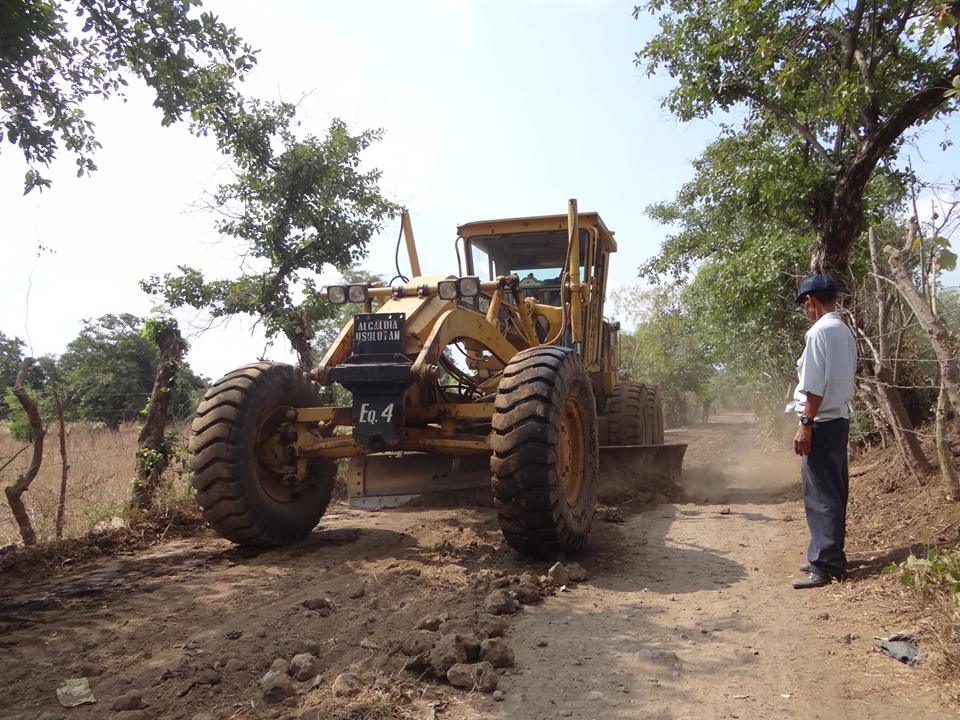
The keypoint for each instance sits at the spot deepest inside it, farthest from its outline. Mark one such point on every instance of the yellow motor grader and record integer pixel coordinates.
(504, 377)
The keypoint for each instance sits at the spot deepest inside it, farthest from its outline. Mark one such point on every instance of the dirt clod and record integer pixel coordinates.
(489, 626)
(497, 653)
(280, 665)
(431, 622)
(499, 602)
(528, 594)
(347, 685)
(417, 643)
(457, 626)
(208, 676)
(448, 651)
(419, 664)
(303, 667)
(276, 686)
(475, 675)
(575, 572)
(472, 646)
(130, 700)
(558, 574)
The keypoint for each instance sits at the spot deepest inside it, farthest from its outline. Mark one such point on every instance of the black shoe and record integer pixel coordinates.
(808, 568)
(811, 580)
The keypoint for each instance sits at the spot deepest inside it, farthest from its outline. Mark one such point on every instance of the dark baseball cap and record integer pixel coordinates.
(815, 283)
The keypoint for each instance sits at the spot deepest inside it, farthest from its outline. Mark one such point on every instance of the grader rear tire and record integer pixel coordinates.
(636, 415)
(545, 452)
(245, 498)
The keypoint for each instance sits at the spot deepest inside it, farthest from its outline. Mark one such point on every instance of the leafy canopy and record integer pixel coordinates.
(295, 206)
(818, 95)
(56, 54)
(109, 369)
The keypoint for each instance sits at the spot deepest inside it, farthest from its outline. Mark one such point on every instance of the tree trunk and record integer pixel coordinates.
(936, 333)
(153, 455)
(15, 491)
(64, 467)
(947, 468)
(299, 338)
(882, 369)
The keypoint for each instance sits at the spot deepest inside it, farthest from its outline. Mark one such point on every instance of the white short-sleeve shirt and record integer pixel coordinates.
(827, 369)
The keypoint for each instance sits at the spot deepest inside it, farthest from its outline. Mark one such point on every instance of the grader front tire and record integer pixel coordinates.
(545, 452)
(244, 498)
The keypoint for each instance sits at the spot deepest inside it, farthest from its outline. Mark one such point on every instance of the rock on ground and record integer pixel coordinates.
(418, 642)
(479, 675)
(131, 700)
(499, 602)
(276, 686)
(347, 685)
(489, 626)
(528, 594)
(497, 653)
(448, 651)
(576, 573)
(558, 574)
(303, 667)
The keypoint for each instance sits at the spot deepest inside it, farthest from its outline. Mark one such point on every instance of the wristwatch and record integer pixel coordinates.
(807, 421)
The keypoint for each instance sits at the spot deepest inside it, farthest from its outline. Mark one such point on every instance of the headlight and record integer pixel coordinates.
(337, 294)
(357, 293)
(469, 286)
(447, 289)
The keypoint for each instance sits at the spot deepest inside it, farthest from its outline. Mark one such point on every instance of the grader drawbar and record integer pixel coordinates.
(502, 379)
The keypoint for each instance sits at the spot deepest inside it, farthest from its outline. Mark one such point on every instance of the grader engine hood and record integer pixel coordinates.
(377, 373)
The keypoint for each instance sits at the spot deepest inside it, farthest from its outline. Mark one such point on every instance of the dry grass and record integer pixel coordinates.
(892, 516)
(101, 465)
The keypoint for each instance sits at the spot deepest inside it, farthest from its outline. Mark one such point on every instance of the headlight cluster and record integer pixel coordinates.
(461, 287)
(446, 289)
(339, 294)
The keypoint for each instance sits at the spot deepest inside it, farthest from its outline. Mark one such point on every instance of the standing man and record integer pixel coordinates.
(822, 400)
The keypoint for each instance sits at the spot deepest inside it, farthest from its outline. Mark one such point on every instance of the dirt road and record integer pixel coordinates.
(687, 613)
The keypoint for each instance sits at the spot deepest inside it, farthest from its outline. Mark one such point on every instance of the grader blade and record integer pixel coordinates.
(418, 479)
(628, 470)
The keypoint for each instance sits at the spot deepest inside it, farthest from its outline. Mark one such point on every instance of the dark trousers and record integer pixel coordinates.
(826, 486)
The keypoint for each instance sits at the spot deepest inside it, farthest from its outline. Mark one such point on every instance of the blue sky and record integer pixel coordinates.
(490, 109)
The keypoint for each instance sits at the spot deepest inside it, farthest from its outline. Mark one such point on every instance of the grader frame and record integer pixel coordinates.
(530, 402)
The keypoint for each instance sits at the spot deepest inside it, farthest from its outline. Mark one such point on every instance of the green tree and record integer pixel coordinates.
(826, 93)
(56, 54)
(664, 349)
(296, 205)
(109, 370)
(11, 358)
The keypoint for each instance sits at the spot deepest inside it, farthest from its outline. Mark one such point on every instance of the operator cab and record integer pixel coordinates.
(538, 259)
(538, 252)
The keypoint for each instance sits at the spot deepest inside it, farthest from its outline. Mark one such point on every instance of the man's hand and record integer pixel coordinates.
(803, 440)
